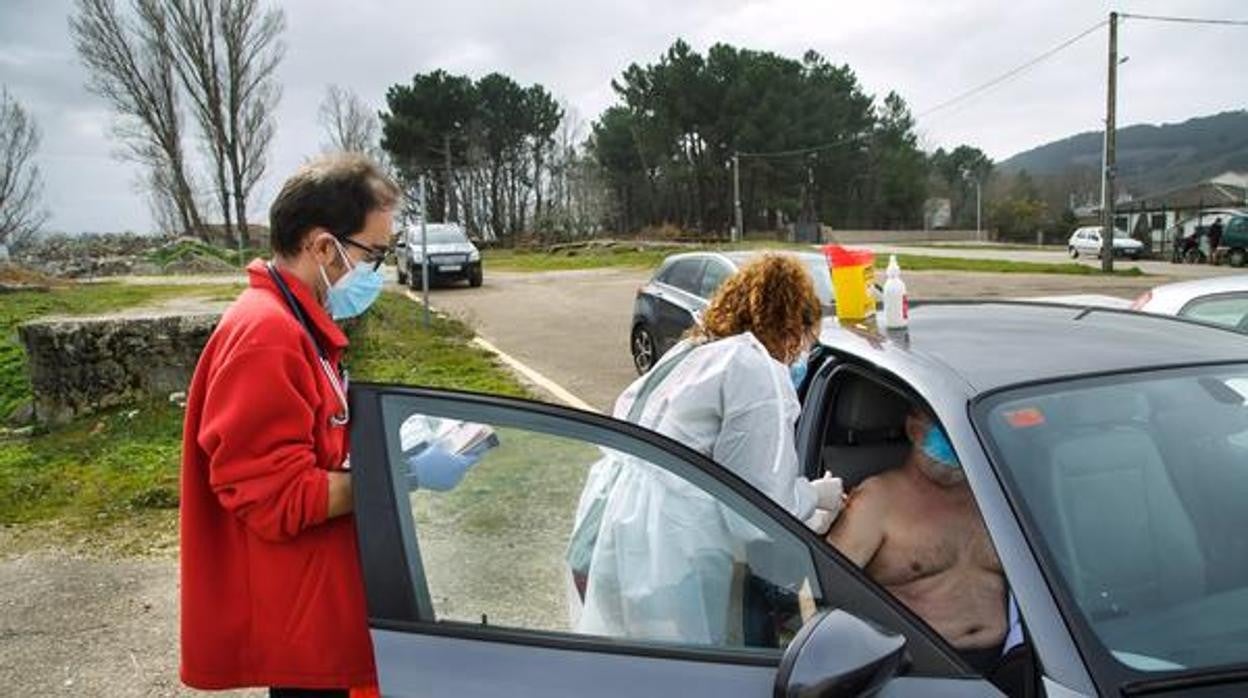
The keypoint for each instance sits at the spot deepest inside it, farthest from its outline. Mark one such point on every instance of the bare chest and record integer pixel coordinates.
(927, 536)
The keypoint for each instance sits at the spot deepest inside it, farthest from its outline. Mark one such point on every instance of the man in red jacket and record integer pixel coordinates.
(272, 592)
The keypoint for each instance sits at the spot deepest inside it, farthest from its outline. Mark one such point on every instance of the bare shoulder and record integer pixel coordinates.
(871, 494)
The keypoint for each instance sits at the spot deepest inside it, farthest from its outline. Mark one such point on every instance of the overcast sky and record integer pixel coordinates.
(927, 51)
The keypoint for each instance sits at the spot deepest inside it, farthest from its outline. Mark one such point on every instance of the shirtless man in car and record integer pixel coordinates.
(916, 531)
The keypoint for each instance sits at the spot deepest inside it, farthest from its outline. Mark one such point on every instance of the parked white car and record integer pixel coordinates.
(452, 256)
(1221, 300)
(1087, 240)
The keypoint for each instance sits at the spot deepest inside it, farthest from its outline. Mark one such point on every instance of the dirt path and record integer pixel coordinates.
(74, 622)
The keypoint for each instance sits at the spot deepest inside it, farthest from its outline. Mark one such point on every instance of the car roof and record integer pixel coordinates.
(739, 257)
(978, 347)
(1171, 298)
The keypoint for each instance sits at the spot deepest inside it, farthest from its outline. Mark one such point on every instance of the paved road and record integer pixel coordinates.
(570, 326)
(573, 326)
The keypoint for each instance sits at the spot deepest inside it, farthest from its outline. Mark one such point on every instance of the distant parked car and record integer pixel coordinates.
(1220, 300)
(675, 297)
(1087, 240)
(452, 256)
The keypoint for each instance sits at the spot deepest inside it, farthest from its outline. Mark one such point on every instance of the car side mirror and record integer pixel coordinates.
(837, 654)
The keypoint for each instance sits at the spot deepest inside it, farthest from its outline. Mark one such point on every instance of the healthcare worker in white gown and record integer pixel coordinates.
(662, 566)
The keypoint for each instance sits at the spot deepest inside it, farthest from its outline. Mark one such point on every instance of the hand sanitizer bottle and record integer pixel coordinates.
(896, 304)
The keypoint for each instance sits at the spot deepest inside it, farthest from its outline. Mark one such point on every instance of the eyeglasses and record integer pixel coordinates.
(376, 256)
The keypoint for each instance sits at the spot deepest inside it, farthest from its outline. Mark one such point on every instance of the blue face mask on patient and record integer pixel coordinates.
(936, 446)
(797, 371)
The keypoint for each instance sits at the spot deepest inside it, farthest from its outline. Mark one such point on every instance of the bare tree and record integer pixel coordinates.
(350, 125)
(21, 187)
(131, 65)
(198, 62)
(252, 50)
(227, 52)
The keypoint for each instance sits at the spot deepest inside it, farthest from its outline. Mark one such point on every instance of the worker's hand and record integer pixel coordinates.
(435, 468)
(830, 492)
(821, 521)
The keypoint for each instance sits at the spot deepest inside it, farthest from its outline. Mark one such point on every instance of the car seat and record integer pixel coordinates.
(867, 433)
(1123, 535)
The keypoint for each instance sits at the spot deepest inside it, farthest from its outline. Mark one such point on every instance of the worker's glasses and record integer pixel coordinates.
(376, 255)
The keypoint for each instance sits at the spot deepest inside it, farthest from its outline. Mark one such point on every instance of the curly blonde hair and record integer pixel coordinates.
(774, 298)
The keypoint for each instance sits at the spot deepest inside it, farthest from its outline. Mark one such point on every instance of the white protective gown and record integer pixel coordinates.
(663, 565)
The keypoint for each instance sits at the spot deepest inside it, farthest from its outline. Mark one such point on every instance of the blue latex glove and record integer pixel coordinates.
(435, 468)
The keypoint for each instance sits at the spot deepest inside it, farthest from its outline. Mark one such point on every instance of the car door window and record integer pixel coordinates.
(1225, 310)
(686, 275)
(498, 512)
(712, 277)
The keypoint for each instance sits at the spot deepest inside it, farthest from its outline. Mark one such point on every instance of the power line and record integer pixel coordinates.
(1000, 79)
(1013, 72)
(1188, 20)
(801, 151)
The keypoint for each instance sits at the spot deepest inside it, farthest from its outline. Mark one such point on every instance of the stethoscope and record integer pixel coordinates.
(339, 383)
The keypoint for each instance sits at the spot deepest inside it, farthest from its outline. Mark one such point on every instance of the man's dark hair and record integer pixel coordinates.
(334, 192)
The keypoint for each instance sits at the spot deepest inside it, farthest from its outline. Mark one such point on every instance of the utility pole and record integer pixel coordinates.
(738, 232)
(448, 197)
(979, 211)
(1107, 183)
(424, 248)
(979, 207)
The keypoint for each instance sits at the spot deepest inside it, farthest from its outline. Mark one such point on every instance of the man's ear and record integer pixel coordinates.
(321, 243)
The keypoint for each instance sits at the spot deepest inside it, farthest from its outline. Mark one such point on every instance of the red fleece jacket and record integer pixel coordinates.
(272, 593)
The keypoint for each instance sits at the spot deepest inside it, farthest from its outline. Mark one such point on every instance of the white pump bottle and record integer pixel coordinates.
(896, 303)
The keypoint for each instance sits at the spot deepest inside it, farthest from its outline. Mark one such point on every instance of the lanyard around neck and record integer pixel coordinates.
(338, 383)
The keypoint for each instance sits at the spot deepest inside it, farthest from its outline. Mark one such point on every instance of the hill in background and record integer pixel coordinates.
(1150, 158)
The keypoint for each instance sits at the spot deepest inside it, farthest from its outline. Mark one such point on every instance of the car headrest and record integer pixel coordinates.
(862, 405)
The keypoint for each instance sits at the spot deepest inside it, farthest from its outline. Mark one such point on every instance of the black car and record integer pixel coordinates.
(671, 302)
(1107, 452)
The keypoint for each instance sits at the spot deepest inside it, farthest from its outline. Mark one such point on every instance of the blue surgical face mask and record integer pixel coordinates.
(797, 370)
(936, 446)
(352, 294)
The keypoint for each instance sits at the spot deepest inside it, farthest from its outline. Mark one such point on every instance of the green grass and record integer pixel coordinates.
(390, 345)
(512, 260)
(622, 256)
(927, 263)
(118, 464)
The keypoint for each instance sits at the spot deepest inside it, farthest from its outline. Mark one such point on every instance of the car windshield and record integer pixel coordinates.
(442, 237)
(1135, 487)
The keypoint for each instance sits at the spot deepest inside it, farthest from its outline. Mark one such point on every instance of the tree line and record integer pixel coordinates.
(500, 157)
(809, 143)
(812, 143)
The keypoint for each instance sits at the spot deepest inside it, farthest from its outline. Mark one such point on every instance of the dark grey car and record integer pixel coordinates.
(671, 302)
(1107, 452)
